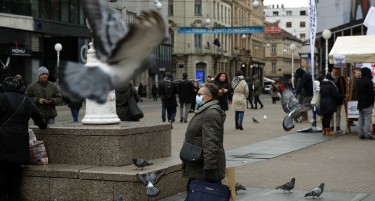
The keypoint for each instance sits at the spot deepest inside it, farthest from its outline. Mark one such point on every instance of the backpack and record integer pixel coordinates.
(168, 89)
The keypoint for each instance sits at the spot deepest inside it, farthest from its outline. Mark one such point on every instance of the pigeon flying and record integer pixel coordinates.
(288, 186)
(123, 53)
(316, 192)
(292, 107)
(254, 120)
(140, 163)
(149, 180)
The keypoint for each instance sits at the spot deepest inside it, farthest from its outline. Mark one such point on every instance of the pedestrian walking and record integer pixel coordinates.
(168, 90)
(15, 113)
(123, 94)
(154, 91)
(257, 93)
(206, 131)
(365, 95)
(329, 97)
(240, 94)
(221, 81)
(74, 108)
(250, 98)
(196, 88)
(275, 92)
(45, 95)
(186, 90)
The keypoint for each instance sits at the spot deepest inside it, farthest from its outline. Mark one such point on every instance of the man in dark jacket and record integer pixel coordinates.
(45, 95)
(206, 130)
(14, 150)
(365, 95)
(341, 86)
(305, 88)
(170, 100)
(186, 89)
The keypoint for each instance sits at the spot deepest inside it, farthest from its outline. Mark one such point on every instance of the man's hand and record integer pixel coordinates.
(43, 101)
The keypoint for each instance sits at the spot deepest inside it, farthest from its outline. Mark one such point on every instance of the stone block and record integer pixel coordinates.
(107, 145)
(35, 188)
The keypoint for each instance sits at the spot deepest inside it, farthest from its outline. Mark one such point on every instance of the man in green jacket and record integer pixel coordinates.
(45, 94)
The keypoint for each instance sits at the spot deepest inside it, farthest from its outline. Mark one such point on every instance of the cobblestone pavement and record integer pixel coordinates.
(344, 164)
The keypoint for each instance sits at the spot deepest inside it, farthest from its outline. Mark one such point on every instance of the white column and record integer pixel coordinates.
(99, 114)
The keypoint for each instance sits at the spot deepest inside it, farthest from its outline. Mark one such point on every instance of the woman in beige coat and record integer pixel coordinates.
(240, 93)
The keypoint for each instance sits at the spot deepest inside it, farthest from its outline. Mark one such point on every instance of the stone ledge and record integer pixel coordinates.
(77, 182)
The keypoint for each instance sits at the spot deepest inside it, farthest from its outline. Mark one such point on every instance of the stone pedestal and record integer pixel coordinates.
(89, 162)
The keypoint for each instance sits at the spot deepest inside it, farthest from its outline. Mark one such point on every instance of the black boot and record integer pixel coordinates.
(240, 126)
(237, 127)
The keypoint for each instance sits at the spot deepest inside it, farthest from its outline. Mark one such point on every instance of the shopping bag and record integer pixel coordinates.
(230, 181)
(38, 152)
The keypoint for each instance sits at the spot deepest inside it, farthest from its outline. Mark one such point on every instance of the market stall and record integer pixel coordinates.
(352, 50)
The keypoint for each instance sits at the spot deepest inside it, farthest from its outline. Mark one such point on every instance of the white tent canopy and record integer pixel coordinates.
(355, 49)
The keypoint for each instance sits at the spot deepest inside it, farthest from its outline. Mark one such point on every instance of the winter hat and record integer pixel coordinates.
(42, 70)
(12, 83)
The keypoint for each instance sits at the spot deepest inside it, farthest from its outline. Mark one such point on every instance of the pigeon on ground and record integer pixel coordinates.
(288, 186)
(239, 187)
(291, 106)
(149, 180)
(265, 117)
(316, 192)
(254, 120)
(140, 163)
(123, 53)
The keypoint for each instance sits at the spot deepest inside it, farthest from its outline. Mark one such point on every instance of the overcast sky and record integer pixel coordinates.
(288, 3)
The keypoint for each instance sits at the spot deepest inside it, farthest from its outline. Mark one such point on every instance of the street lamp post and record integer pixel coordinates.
(292, 48)
(58, 48)
(326, 35)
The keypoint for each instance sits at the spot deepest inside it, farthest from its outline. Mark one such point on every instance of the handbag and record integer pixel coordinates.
(200, 189)
(134, 109)
(191, 153)
(316, 99)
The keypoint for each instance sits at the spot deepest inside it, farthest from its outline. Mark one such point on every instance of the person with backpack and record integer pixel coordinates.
(186, 90)
(168, 90)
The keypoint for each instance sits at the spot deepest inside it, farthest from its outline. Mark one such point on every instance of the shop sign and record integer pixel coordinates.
(20, 52)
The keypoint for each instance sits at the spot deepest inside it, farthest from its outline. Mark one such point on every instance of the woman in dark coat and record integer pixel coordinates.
(221, 81)
(328, 102)
(14, 137)
(122, 96)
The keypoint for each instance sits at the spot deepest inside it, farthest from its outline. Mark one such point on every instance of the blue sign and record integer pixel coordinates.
(221, 30)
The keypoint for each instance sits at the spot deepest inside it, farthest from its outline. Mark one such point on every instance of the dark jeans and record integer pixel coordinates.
(10, 180)
(326, 120)
(163, 110)
(238, 117)
(75, 112)
(257, 100)
(171, 113)
(250, 99)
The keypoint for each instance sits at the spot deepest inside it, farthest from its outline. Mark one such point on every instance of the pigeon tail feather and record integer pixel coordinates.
(78, 82)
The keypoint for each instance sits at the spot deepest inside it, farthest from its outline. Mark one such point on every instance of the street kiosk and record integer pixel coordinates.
(352, 50)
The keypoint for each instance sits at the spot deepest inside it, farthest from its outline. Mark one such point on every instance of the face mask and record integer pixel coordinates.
(199, 100)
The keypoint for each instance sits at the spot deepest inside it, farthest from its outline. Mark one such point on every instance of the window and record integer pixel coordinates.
(302, 12)
(170, 7)
(198, 8)
(273, 49)
(288, 24)
(273, 67)
(302, 24)
(275, 13)
(130, 17)
(289, 13)
(198, 40)
(302, 36)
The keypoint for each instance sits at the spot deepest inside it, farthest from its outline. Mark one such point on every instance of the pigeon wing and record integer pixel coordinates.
(107, 26)
(135, 50)
(288, 100)
(142, 178)
(79, 82)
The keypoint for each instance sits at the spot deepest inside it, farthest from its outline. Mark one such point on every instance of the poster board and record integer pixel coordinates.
(353, 112)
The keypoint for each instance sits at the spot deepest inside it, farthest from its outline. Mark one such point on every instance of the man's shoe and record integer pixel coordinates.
(362, 137)
(185, 121)
(261, 107)
(181, 120)
(370, 138)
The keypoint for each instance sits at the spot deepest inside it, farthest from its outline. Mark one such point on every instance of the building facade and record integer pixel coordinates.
(29, 31)
(292, 20)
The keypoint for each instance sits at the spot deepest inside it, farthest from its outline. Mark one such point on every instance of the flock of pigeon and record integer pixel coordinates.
(288, 186)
